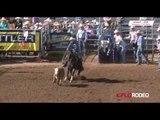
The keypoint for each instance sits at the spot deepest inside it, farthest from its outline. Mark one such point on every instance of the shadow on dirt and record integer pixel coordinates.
(26, 72)
(105, 80)
(98, 80)
(77, 85)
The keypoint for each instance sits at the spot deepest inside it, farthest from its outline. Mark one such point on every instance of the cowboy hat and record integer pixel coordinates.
(48, 20)
(138, 32)
(132, 27)
(81, 25)
(87, 21)
(26, 23)
(3, 19)
(73, 22)
(107, 18)
(93, 21)
(18, 18)
(56, 23)
(71, 39)
(69, 25)
(106, 24)
(116, 31)
(88, 24)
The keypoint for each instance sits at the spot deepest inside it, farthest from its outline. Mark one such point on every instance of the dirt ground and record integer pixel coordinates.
(32, 82)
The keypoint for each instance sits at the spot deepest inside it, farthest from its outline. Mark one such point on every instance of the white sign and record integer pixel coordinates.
(140, 23)
(143, 18)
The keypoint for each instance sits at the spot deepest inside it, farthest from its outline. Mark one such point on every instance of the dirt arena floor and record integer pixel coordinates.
(32, 82)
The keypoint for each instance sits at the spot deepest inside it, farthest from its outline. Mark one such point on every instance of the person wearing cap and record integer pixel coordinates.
(69, 28)
(110, 22)
(121, 47)
(11, 24)
(73, 45)
(57, 27)
(35, 20)
(26, 25)
(119, 21)
(140, 49)
(133, 40)
(158, 48)
(4, 24)
(89, 30)
(18, 23)
(82, 38)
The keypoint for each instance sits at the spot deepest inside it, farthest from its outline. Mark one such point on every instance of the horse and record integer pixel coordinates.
(73, 63)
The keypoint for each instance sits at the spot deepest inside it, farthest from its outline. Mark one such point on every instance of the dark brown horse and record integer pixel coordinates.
(73, 63)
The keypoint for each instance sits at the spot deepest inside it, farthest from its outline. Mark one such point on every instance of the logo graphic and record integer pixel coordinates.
(132, 95)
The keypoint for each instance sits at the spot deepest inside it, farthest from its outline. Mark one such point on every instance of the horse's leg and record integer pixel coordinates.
(66, 75)
(54, 79)
(60, 82)
(72, 75)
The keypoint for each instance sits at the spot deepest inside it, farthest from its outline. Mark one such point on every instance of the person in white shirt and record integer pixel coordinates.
(121, 46)
(158, 47)
(133, 41)
(81, 38)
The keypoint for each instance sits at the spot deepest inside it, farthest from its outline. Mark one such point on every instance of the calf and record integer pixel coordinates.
(58, 75)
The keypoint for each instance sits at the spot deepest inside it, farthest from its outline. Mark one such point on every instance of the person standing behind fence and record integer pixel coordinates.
(82, 38)
(4, 24)
(158, 47)
(18, 23)
(140, 49)
(133, 41)
(120, 47)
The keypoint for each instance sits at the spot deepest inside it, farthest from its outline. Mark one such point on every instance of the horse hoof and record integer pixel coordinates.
(60, 84)
(70, 81)
(53, 82)
(65, 79)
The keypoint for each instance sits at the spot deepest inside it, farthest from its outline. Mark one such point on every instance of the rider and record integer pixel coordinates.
(73, 47)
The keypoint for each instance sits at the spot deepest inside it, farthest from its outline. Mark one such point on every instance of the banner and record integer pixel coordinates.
(60, 37)
(59, 41)
(20, 40)
(141, 23)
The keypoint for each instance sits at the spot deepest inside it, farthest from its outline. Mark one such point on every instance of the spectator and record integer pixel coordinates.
(7, 18)
(82, 38)
(11, 24)
(140, 49)
(133, 40)
(26, 25)
(158, 47)
(120, 47)
(90, 31)
(18, 23)
(4, 24)
(57, 27)
(35, 20)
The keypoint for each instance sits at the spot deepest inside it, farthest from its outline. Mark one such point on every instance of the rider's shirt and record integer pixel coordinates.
(73, 46)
